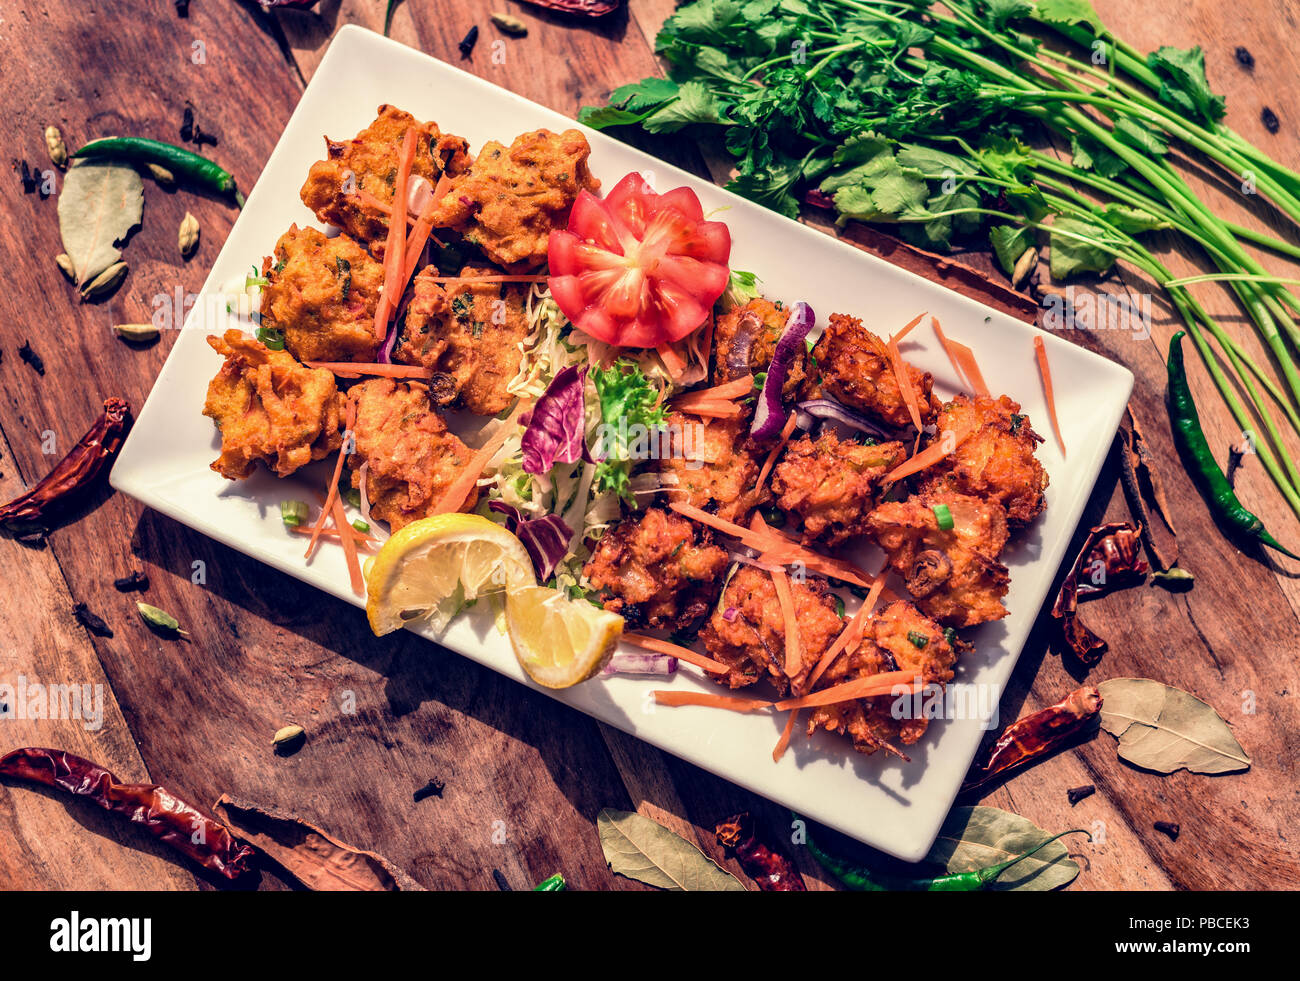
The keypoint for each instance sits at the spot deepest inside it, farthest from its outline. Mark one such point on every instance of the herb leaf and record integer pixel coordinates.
(1166, 729)
(99, 205)
(976, 837)
(640, 849)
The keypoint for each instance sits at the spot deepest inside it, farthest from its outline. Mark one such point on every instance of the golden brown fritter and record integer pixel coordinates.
(368, 163)
(752, 642)
(470, 335)
(744, 340)
(855, 370)
(322, 293)
(831, 484)
(269, 408)
(717, 468)
(954, 575)
(412, 457)
(996, 461)
(512, 197)
(897, 638)
(660, 569)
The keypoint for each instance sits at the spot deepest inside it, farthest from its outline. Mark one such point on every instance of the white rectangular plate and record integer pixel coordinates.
(897, 807)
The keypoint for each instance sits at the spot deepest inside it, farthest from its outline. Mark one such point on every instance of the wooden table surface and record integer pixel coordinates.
(524, 777)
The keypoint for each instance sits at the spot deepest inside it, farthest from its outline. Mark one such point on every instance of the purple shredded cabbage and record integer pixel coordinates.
(546, 538)
(770, 414)
(556, 431)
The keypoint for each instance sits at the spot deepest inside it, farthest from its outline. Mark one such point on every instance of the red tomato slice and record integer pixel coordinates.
(638, 269)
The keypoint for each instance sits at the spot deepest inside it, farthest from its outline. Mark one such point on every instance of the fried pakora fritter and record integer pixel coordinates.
(511, 198)
(831, 484)
(855, 370)
(744, 341)
(368, 163)
(897, 638)
(954, 574)
(752, 641)
(322, 293)
(412, 457)
(470, 335)
(717, 466)
(269, 408)
(659, 569)
(996, 461)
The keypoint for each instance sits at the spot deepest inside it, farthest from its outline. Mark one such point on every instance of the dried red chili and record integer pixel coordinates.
(1111, 557)
(1039, 735)
(589, 8)
(154, 808)
(75, 471)
(772, 870)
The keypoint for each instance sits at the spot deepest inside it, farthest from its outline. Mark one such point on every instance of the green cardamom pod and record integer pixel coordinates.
(55, 145)
(188, 237)
(510, 24)
(107, 281)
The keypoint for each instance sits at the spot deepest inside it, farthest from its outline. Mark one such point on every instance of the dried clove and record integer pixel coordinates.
(1167, 828)
(500, 880)
(137, 580)
(433, 788)
(91, 621)
(1269, 118)
(468, 41)
(1076, 794)
(1244, 58)
(32, 358)
(29, 180)
(187, 125)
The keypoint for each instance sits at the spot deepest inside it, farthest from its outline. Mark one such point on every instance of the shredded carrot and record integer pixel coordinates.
(334, 533)
(349, 369)
(785, 554)
(963, 361)
(907, 329)
(457, 280)
(793, 658)
(1040, 351)
(443, 187)
(677, 651)
(783, 743)
(851, 635)
(904, 379)
(373, 202)
(672, 360)
(725, 392)
(786, 432)
(415, 244)
(705, 409)
(332, 491)
(710, 700)
(395, 244)
(454, 496)
(752, 539)
(928, 457)
(868, 687)
(346, 531)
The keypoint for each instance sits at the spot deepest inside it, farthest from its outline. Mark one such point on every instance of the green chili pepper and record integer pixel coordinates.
(554, 884)
(178, 160)
(943, 516)
(863, 879)
(839, 606)
(1187, 426)
(272, 338)
(918, 639)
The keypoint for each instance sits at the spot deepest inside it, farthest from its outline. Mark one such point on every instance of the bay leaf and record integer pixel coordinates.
(1166, 729)
(641, 849)
(99, 205)
(976, 837)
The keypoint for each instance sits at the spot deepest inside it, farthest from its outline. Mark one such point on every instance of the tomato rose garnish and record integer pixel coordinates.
(638, 269)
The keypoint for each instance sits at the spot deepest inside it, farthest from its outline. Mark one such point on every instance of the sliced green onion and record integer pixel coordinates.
(943, 516)
(918, 639)
(293, 513)
(361, 526)
(839, 605)
(759, 378)
(950, 635)
(250, 281)
(271, 337)
(352, 495)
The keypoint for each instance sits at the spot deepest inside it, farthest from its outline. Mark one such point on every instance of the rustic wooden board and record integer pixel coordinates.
(524, 776)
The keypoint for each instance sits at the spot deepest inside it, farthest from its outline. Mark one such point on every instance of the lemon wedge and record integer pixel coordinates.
(559, 641)
(433, 567)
